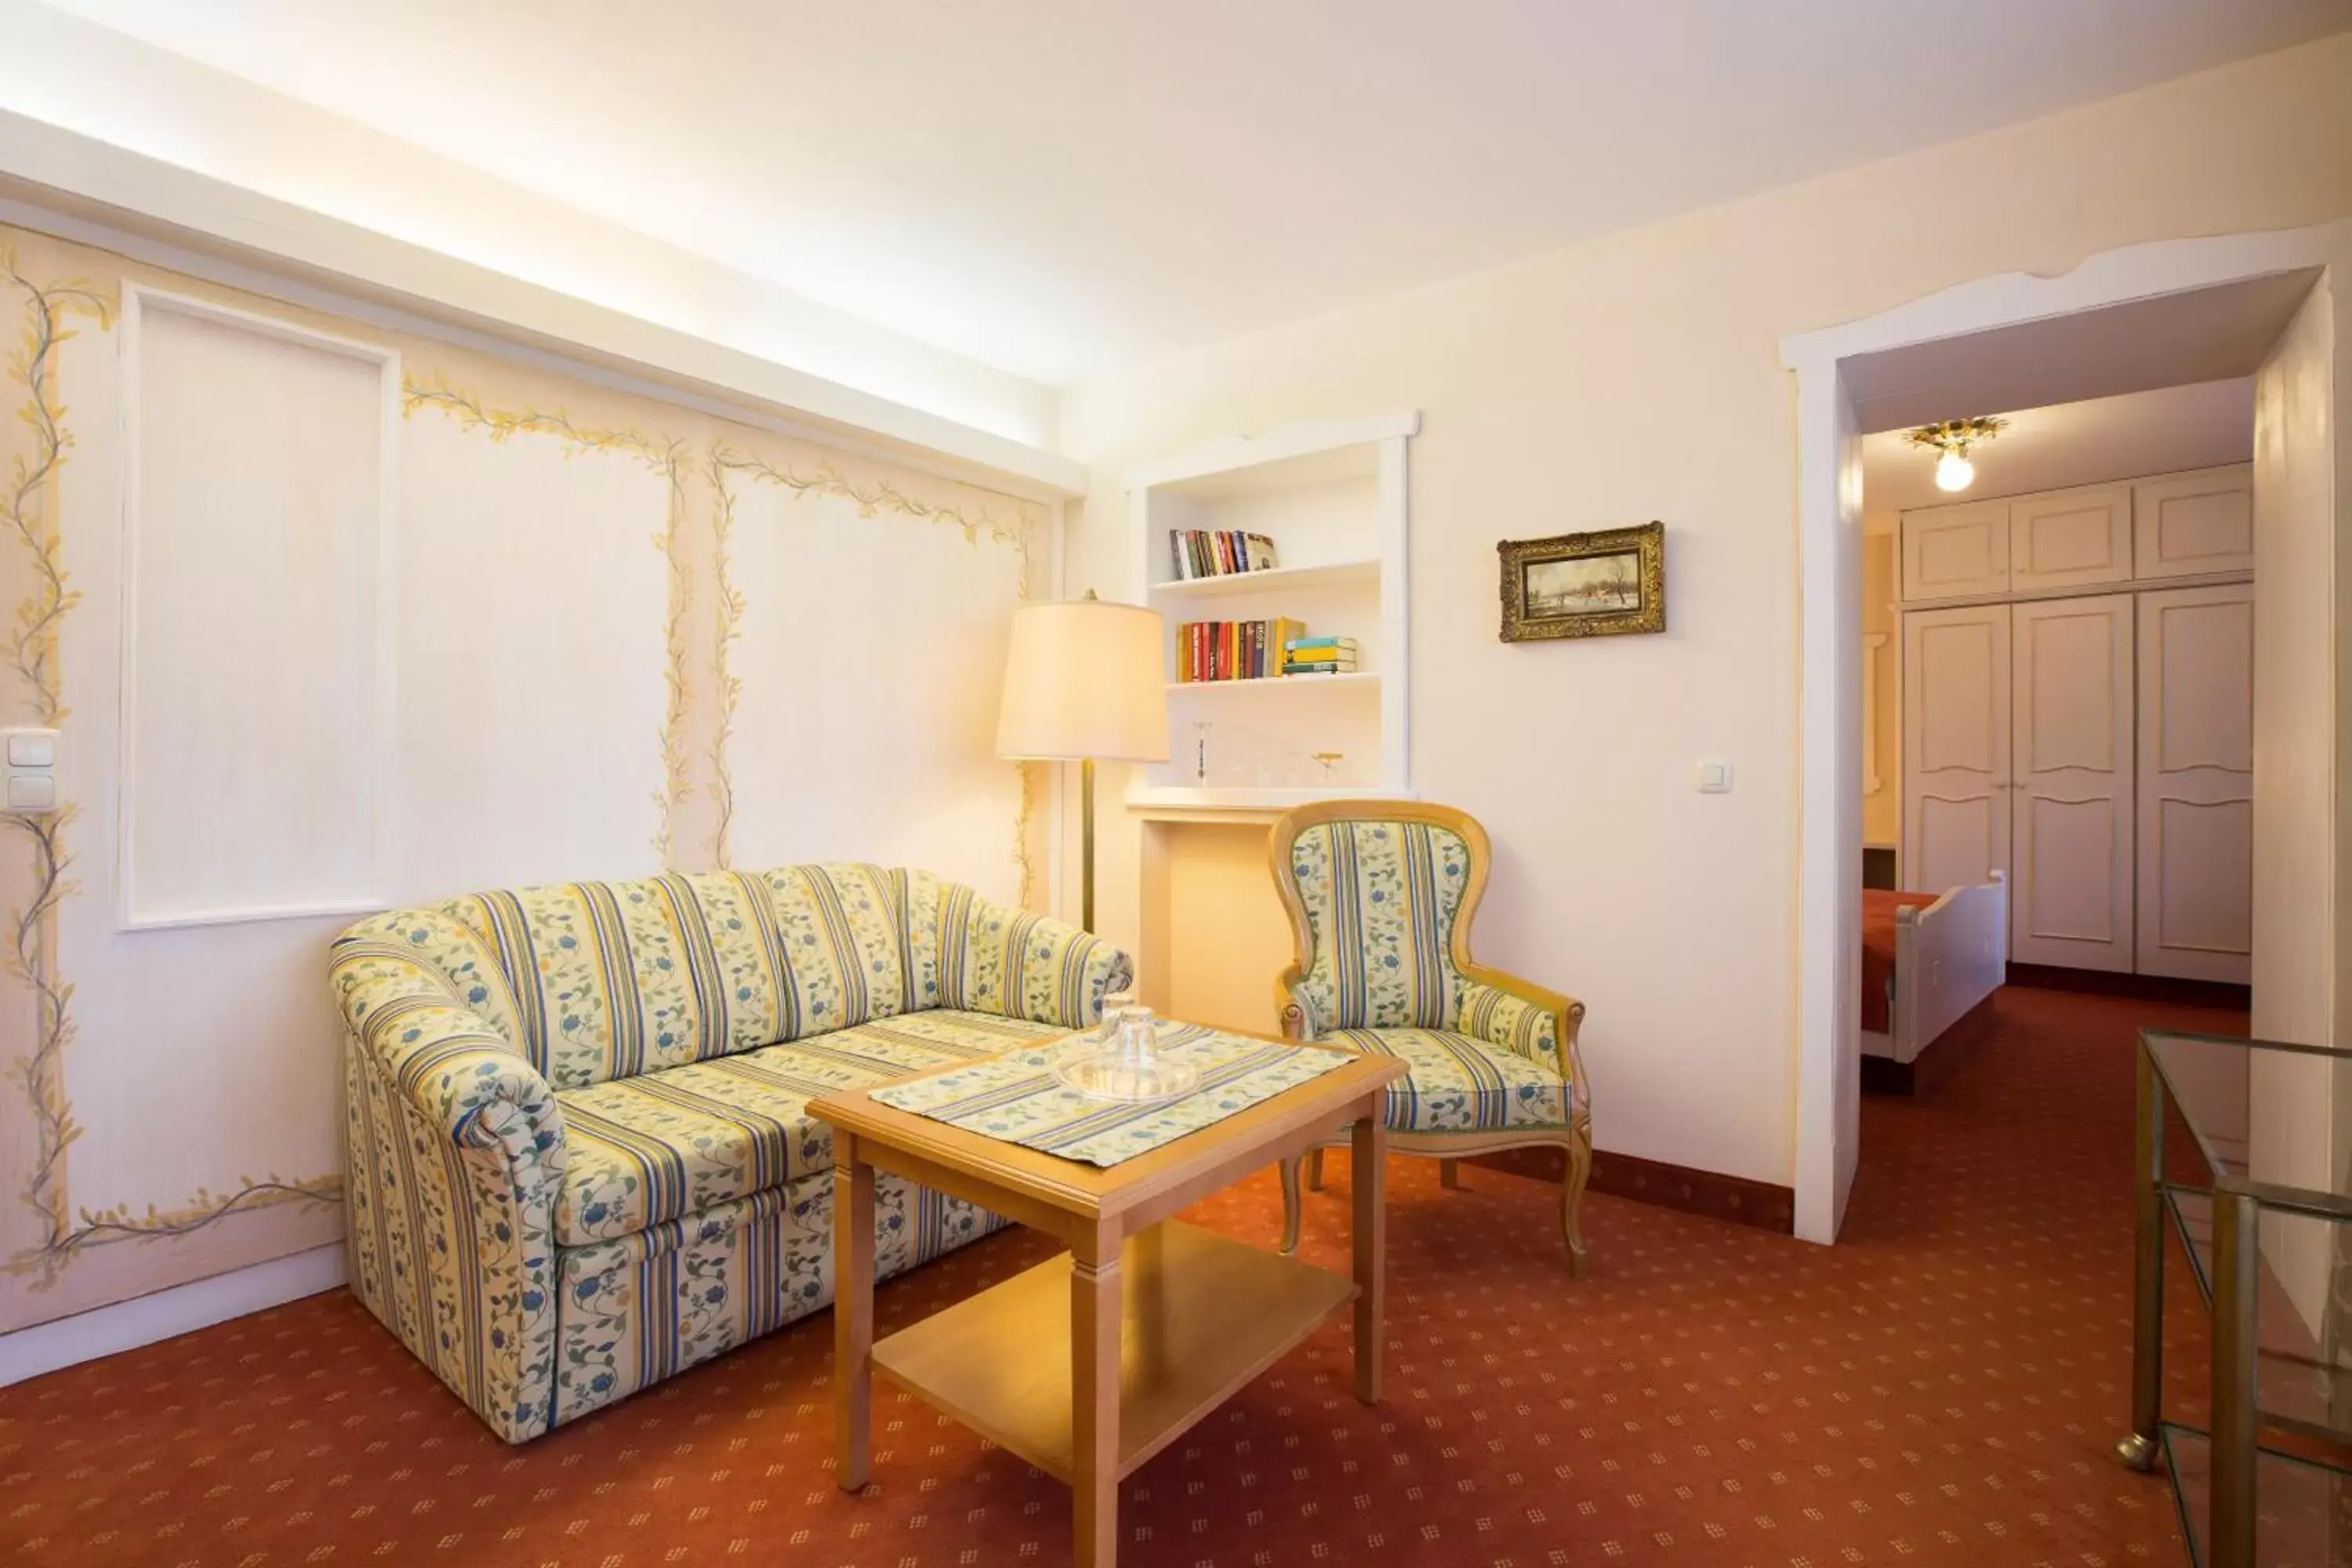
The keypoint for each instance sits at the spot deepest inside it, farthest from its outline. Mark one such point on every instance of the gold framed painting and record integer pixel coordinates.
(1599, 585)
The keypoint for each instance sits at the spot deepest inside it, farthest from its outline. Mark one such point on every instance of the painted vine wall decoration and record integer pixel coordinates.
(980, 525)
(727, 628)
(664, 456)
(28, 509)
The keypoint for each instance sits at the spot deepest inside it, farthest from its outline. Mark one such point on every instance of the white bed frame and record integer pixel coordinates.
(1947, 958)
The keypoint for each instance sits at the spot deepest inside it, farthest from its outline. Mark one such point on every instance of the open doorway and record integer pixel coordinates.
(2177, 315)
(2058, 635)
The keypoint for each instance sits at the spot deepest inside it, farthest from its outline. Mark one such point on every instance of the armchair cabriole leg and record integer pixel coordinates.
(1571, 1203)
(1449, 1174)
(1290, 1202)
(1315, 1169)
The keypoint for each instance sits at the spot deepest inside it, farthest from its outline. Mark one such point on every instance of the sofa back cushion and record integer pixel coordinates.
(614, 979)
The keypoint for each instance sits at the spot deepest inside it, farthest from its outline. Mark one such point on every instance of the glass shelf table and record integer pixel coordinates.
(2267, 1228)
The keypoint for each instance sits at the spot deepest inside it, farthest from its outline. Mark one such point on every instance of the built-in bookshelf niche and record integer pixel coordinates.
(1326, 503)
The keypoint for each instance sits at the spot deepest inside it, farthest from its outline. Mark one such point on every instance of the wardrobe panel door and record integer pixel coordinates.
(2071, 539)
(1956, 551)
(1956, 744)
(2192, 522)
(2071, 713)
(2197, 783)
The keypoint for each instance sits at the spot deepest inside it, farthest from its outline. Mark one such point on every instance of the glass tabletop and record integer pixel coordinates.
(2305, 1517)
(2265, 1115)
(2302, 1358)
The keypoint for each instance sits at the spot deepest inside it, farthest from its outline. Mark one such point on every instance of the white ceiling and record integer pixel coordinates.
(1054, 185)
(2196, 426)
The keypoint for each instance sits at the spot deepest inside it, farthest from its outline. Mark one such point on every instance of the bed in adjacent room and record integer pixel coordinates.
(1926, 959)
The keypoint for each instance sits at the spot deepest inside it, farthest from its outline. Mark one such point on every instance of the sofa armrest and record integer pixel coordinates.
(1017, 964)
(449, 1061)
(1522, 1017)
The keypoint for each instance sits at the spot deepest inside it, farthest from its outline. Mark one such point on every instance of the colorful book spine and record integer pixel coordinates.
(1235, 650)
(1221, 553)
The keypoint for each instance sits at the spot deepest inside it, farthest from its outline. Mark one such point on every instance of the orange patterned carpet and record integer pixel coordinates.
(1941, 1388)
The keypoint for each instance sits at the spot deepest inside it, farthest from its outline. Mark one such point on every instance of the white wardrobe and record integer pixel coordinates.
(2077, 714)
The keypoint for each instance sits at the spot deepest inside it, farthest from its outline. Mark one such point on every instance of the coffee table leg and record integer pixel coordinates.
(1094, 1305)
(853, 1314)
(1368, 1179)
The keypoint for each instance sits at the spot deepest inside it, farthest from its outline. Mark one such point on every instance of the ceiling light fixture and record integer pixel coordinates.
(1951, 440)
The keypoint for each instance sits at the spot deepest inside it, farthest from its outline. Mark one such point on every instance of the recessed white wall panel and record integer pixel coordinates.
(872, 658)
(255, 524)
(532, 644)
(202, 1055)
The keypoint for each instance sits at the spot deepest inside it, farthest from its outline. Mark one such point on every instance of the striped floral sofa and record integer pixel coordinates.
(579, 1157)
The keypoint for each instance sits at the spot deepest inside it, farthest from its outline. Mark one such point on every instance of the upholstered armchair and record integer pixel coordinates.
(1381, 895)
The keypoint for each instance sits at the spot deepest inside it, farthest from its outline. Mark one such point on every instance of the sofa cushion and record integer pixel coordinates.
(612, 979)
(663, 1146)
(1462, 1084)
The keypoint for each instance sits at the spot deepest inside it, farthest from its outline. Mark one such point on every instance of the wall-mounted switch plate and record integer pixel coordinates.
(32, 792)
(31, 748)
(30, 761)
(1714, 776)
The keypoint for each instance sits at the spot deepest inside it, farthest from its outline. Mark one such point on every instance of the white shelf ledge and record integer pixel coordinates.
(1210, 803)
(1302, 682)
(1273, 580)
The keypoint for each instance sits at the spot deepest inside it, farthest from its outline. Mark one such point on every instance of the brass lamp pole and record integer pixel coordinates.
(1085, 681)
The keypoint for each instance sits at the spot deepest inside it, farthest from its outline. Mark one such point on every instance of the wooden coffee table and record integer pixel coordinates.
(1088, 1365)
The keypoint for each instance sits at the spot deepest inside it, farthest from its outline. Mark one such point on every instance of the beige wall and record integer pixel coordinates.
(1638, 377)
(1881, 813)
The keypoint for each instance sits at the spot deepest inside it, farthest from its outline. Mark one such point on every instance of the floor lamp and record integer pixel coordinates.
(1085, 681)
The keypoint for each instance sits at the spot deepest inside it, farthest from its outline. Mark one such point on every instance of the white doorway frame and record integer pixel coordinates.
(1828, 532)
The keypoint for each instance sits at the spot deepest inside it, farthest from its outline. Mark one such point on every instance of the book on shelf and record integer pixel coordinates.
(1217, 552)
(1232, 650)
(1319, 656)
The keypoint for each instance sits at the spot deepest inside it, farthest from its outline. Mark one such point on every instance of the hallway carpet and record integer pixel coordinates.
(1940, 1388)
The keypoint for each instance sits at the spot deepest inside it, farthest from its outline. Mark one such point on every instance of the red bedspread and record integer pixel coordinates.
(1878, 906)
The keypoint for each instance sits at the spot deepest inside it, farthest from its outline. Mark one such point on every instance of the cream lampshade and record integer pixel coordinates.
(1083, 681)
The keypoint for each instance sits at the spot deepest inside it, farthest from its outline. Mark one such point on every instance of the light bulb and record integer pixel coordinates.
(1954, 472)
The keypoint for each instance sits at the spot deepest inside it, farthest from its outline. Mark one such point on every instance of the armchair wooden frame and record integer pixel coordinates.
(1575, 1140)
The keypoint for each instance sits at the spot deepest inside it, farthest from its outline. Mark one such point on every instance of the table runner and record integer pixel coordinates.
(1014, 1098)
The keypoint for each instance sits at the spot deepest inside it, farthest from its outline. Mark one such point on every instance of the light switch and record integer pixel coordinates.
(32, 762)
(1714, 776)
(32, 792)
(32, 748)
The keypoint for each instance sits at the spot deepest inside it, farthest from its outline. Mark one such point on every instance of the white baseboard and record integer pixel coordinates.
(143, 1320)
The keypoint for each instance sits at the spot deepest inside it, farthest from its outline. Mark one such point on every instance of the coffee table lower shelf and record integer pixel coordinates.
(1201, 1316)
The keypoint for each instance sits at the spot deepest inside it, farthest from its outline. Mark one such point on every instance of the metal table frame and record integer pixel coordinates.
(2230, 1293)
